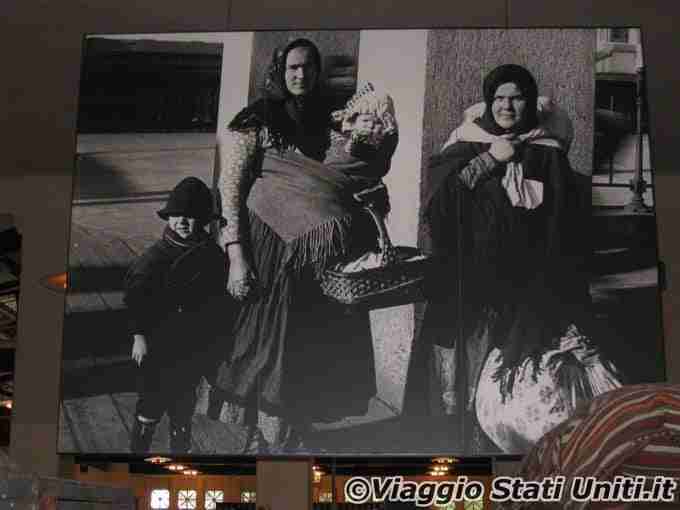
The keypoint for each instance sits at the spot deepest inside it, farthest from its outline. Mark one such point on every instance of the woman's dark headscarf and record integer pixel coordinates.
(275, 81)
(510, 73)
(292, 121)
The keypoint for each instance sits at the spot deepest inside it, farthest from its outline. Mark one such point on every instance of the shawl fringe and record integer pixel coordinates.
(319, 247)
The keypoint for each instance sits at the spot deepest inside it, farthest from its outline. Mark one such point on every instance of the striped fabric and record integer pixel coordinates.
(633, 430)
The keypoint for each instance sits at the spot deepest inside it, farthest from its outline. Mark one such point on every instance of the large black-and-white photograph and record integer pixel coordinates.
(362, 242)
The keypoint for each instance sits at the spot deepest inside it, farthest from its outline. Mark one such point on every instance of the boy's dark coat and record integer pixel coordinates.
(176, 298)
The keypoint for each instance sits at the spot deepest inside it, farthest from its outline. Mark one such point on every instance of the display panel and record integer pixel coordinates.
(268, 319)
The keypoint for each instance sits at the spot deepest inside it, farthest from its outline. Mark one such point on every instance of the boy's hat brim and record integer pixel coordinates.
(191, 198)
(165, 213)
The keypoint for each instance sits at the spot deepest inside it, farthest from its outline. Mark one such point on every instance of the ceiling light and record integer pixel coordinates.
(190, 472)
(176, 467)
(158, 460)
(436, 473)
(444, 460)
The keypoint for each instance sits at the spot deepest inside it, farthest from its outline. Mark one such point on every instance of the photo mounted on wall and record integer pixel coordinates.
(361, 242)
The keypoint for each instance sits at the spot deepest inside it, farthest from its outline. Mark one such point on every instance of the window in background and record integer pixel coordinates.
(619, 35)
(186, 499)
(212, 497)
(248, 496)
(160, 499)
(156, 86)
(325, 497)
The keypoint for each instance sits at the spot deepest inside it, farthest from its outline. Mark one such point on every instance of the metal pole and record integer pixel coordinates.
(637, 183)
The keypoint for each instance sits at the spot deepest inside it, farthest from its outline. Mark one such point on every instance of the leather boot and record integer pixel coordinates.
(294, 441)
(180, 437)
(142, 434)
(255, 442)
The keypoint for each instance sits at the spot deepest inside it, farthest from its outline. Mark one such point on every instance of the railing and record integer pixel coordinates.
(638, 185)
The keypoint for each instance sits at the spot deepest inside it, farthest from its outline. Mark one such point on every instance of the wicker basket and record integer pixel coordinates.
(396, 281)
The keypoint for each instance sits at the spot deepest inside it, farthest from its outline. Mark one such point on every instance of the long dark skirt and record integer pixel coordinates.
(296, 354)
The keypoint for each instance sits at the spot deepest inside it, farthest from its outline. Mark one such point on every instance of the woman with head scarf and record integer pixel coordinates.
(507, 218)
(286, 185)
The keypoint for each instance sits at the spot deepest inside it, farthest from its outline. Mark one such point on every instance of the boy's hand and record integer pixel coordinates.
(139, 348)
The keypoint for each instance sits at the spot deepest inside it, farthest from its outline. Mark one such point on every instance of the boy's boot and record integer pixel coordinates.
(293, 438)
(255, 443)
(180, 437)
(142, 434)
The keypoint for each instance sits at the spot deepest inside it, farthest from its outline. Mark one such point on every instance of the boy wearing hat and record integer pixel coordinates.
(173, 293)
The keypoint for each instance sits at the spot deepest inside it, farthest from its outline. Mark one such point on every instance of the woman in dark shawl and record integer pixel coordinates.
(507, 218)
(286, 185)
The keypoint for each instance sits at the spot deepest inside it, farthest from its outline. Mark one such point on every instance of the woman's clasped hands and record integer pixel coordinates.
(504, 147)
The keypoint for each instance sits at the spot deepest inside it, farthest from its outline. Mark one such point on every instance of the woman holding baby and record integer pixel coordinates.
(289, 169)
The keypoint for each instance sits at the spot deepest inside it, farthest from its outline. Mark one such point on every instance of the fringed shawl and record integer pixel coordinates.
(308, 204)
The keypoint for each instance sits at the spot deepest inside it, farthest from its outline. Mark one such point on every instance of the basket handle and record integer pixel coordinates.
(387, 251)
